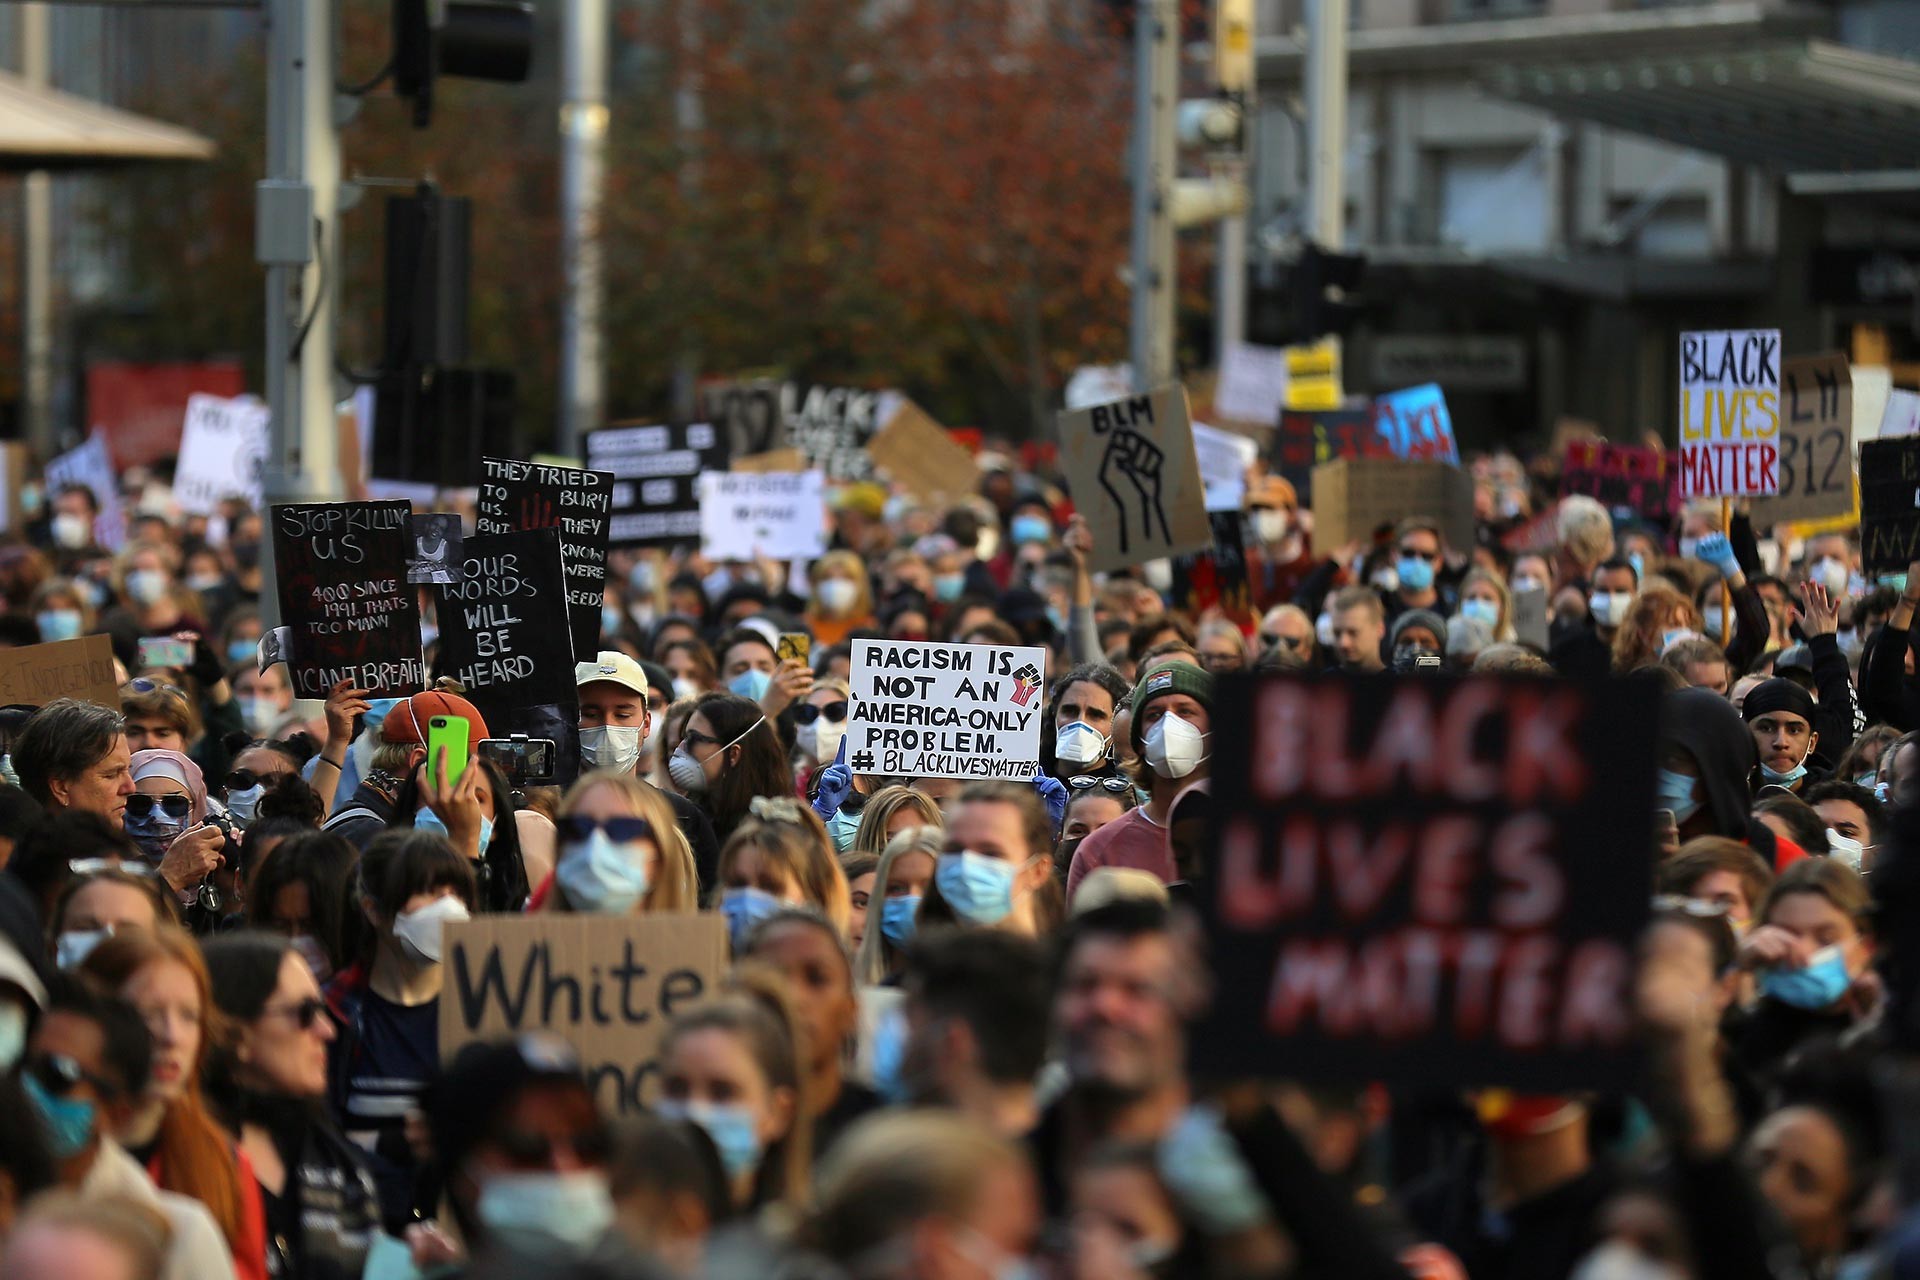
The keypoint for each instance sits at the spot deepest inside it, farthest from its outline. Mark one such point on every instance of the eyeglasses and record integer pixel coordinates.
(304, 1014)
(526, 1149)
(620, 830)
(140, 805)
(807, 712)
(141, 684)
(694, 735)
(94, 866)
(60, 1075)
(1087, 781)
(1411, 554)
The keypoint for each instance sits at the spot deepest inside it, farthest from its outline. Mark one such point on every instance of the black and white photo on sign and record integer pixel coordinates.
(436, 548)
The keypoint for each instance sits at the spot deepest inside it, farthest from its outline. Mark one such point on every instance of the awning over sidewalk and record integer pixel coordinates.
(1812, 107)
(48, 129)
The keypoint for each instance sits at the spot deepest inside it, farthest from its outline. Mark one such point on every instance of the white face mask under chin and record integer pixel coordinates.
(1174, 748)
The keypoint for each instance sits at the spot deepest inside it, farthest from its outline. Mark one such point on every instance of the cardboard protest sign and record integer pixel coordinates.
(578, 503)
(1354, 496)
(656, 471)
(1134, 475)
(1415, 424)
(1253, 383)
(504, 637)
(1313, 375)
(743, 515)
(1620, 477)
(1730, 413)
(1428, 879)
(436, 548)
(15, 464)
(33, 675)
(1224, 457)
(341, 573)
(1816, 442)
(926, 710)
(607, 985)
(1890, 504)
(91, 465)
(1216, 577)
(223, 445)
(774, 460)
(918, 454)
(1305, 440)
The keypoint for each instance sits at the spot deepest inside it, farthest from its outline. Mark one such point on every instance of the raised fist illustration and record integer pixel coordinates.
(1138, 459)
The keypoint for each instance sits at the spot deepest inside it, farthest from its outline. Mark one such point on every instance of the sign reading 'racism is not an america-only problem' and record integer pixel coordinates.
(945, 710)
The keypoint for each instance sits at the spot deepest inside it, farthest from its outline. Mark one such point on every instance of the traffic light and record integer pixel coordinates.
(1314, 295)
(475, 39)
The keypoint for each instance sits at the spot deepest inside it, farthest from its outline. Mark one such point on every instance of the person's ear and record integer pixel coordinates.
(1813, 742)
(781, 1102)
(371, 911)
(59, 790)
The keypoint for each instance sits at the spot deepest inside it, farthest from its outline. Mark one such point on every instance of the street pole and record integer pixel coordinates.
(1156, 97)
(297, 239)
(36, 248)
(583, 141)
(1234, 37)
(1326, 122)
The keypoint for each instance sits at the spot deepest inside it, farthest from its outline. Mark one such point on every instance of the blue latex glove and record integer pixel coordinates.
(1053, 793)
(836, 784)
(1714, 549)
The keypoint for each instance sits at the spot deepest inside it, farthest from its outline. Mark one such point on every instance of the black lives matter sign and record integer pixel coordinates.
(1428, 880)
(578, 504)
(341, 575)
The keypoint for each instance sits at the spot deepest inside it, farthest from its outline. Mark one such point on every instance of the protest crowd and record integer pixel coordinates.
(942, 903)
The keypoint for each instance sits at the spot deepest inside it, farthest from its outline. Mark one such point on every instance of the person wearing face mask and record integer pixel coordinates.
(620, 852)
(476, 816)
(1812, 951)
(1707, 758)
(1585, 649)
(61, 610)
(397, 751)
(996, 869)
(841, 598)
(1780, 715)
(1076, 737)
(1420, 570)
(616, 729)
(387, 1007)
(1171, 727)
(149, 603)
(729, 755)
(73, 512)
(165, 816)
(751, 668)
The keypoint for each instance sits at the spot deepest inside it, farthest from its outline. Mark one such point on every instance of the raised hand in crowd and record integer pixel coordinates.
(792, 682)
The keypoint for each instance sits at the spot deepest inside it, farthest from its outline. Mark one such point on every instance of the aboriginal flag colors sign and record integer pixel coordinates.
(1427, 880)
(924, 710)
(350, 615)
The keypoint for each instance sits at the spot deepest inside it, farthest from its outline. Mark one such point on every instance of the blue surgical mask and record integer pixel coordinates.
(1786, 779)
(890, 1056)
(745, 908)
(978, 888)
(67, 1121)
(1482, 611)
(425, 819)
(1675, 791)
(842, 827)
(948, 587)
(58, 624)
(1414, 573)
(602, 875)
(239, 651)
(154, 832)
(751, 685)
(729, 1125)
(609, 619)
(1057, 619)
(1867, 779)
(1821, 983)
(1639, 563)
(541, 1214)
(1030, 528)
(897, 918)
(241, 805)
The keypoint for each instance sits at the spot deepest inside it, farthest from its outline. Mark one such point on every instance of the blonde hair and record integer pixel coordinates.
(1503, 632)
(843, 562)
(137, 1230)
(1585, 530)
(675, 884)
(882, 807)
(791, 837)
(877, 958)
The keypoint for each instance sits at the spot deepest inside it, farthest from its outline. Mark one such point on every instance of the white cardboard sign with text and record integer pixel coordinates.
(924, 710)
(223, 445)
(747, 514)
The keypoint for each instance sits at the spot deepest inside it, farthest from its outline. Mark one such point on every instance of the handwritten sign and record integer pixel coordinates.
(1428, 879)
(831, 427)
(1730, 413)
(1890, 504)
(656, 473)
(781, 514)
(1135, 476)
(924, 710)
(1253, 383)
(1816, 442)
(1307, 439)
(223, 444)
(341, 572)
(33, 675)
(1224, 457)
(607, 985)
(516, 496)
(1620, 477)
(1217, 577)
(1901, 417)
(1416, 425)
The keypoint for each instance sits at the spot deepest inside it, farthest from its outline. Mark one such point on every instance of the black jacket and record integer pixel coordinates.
(323, 1221)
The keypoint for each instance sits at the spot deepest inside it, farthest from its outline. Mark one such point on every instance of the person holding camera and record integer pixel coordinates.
(168, 818)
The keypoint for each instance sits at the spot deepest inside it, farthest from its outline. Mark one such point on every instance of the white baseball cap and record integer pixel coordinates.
(614, 667)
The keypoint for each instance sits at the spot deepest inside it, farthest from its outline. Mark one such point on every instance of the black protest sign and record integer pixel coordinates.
(504, 637)
(1305, 439)
(1620, 477)
(533, 495)
(1890, 504)
(1216, 577)
(831, 427)
(1427, 880)
(656, 470)
(747, 413)
(341, 571)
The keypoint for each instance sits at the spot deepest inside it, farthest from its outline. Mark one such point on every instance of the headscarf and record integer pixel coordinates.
(156, 762)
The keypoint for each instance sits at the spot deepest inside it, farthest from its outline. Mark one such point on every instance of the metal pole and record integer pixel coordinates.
(1156, 94)
(1230, 280)
(1326, 122)
(583, 141)
(36, 248)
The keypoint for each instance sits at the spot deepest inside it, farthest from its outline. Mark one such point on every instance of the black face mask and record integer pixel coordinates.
(246, 555)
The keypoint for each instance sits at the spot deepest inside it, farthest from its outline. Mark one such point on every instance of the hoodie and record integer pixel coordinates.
(1707, 727)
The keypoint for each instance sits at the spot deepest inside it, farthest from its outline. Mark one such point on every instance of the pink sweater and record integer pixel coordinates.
(1130, 840)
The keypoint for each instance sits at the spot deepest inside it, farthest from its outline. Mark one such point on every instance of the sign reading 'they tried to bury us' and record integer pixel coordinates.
(945, 710)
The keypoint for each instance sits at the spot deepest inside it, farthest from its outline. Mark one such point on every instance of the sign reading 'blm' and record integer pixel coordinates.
(927, 710)
(1428, 879)
(532, 495)
(350, 615)
(1135, 476)
(1730, 413)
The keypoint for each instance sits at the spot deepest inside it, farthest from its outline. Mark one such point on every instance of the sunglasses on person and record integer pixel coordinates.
(247, 779)
(1281, 642)
(304, 1014)
(140, 805)
(140, 684)
(526, 1149)
(1087, 781)
(621, 830)
(1429, 556)
(806, 713)
(60, 1075)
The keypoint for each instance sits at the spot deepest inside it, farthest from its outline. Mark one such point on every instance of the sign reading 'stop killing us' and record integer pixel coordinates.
(926, 710)
(350, 615)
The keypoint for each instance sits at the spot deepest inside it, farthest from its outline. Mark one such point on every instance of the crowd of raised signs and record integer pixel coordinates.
(1614, 983)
